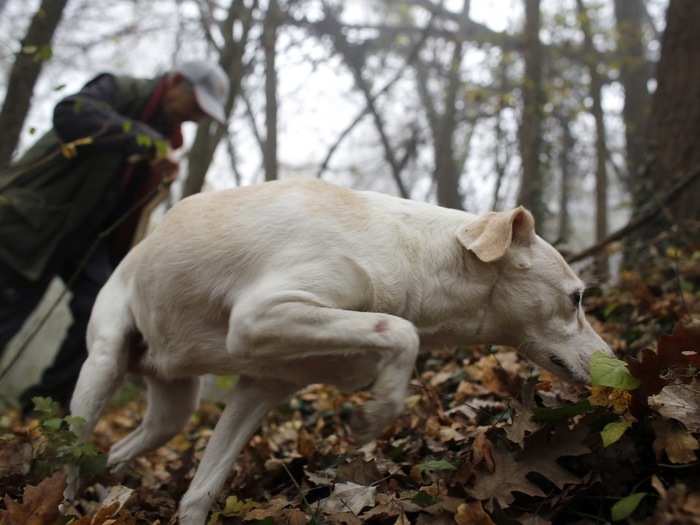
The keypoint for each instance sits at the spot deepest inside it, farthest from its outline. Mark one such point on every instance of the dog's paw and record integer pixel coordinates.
(369, 421)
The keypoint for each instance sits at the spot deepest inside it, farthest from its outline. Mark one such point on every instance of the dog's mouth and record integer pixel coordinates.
(551, 362)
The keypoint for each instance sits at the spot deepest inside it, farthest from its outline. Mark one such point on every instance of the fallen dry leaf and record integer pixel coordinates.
(677, 442)
(540, 455)
(472, 513)
(15, 455)
(680, 402)
(39, 504)
(349, 497)
(678, 507)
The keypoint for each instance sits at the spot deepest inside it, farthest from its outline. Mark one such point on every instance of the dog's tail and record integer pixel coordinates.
(111, 324)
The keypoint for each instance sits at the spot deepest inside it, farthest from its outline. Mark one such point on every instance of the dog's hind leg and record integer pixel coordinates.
(109, 329)
(170, 405)
(110, 326)
(248, 402)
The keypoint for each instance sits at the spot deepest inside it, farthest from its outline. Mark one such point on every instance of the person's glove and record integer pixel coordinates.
(166, 168)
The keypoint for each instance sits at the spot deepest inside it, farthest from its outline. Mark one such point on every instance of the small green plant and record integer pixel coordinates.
(61, 446)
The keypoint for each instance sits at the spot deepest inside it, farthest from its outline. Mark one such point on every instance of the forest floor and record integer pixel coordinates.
(484, 439)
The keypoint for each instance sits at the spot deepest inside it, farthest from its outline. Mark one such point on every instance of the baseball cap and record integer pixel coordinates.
(211, 86)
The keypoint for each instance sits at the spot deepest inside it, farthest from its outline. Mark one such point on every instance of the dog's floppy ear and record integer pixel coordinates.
(490, 235)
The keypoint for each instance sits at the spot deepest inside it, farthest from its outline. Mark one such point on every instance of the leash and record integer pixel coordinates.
(83, 262)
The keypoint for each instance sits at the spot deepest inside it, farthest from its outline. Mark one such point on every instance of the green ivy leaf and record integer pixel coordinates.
(611, 372)
(626, 506)
(436, 465)
(612, 432)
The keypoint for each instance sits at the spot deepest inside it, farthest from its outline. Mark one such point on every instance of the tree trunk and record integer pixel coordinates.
(601, 175)
(34, 50)
(629, 15)
(446, 174)
(566, 167)
(209, 134)
(501, 158)
(269, 45)
(674, 125)
(531, 193)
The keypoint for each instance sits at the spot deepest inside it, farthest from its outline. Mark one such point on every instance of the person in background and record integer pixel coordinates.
(108, 151)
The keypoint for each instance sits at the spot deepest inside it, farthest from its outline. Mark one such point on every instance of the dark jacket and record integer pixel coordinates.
(47, 198)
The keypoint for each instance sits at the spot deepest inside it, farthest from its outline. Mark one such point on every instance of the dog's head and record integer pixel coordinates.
(534, 300)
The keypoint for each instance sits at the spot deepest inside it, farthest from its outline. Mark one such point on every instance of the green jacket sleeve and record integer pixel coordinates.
(93, 112)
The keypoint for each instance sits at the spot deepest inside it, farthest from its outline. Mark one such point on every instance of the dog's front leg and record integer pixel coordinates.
(249, 401)
(296, 325)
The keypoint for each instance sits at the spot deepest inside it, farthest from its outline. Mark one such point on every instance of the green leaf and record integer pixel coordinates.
(423, 499)
(75, 423)
(91, 466)
(52, 424)
(46, 407)
(226, 382)
(127, 125)
(236, 507)
(612, 432)
(43, 53)
(161, 148)
(626, 506)
(551, 415)
(144, 140)
(435, 465)
(611, 372)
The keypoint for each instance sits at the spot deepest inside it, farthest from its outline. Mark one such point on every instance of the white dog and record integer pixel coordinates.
(296, 282)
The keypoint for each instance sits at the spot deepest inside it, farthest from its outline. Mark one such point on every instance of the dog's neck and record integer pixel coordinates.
(450, 293)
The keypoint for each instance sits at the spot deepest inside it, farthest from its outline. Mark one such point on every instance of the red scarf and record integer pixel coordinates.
(146, 184)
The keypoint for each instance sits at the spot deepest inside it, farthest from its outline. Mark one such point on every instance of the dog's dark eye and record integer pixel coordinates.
(576, 298)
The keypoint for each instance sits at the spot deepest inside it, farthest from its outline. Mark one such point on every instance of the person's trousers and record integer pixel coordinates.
(18, 299)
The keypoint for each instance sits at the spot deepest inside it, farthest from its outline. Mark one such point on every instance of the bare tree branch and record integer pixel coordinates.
(643, 218)
(412, 55)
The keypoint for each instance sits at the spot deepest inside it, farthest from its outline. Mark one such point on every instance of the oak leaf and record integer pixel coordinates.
(39, 504)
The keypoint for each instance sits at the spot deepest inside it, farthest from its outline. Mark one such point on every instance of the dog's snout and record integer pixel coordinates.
(565, 370)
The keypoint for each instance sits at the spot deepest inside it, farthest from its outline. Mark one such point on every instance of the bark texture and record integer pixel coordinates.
(35, 48)
(674, 125)
(531, 194)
